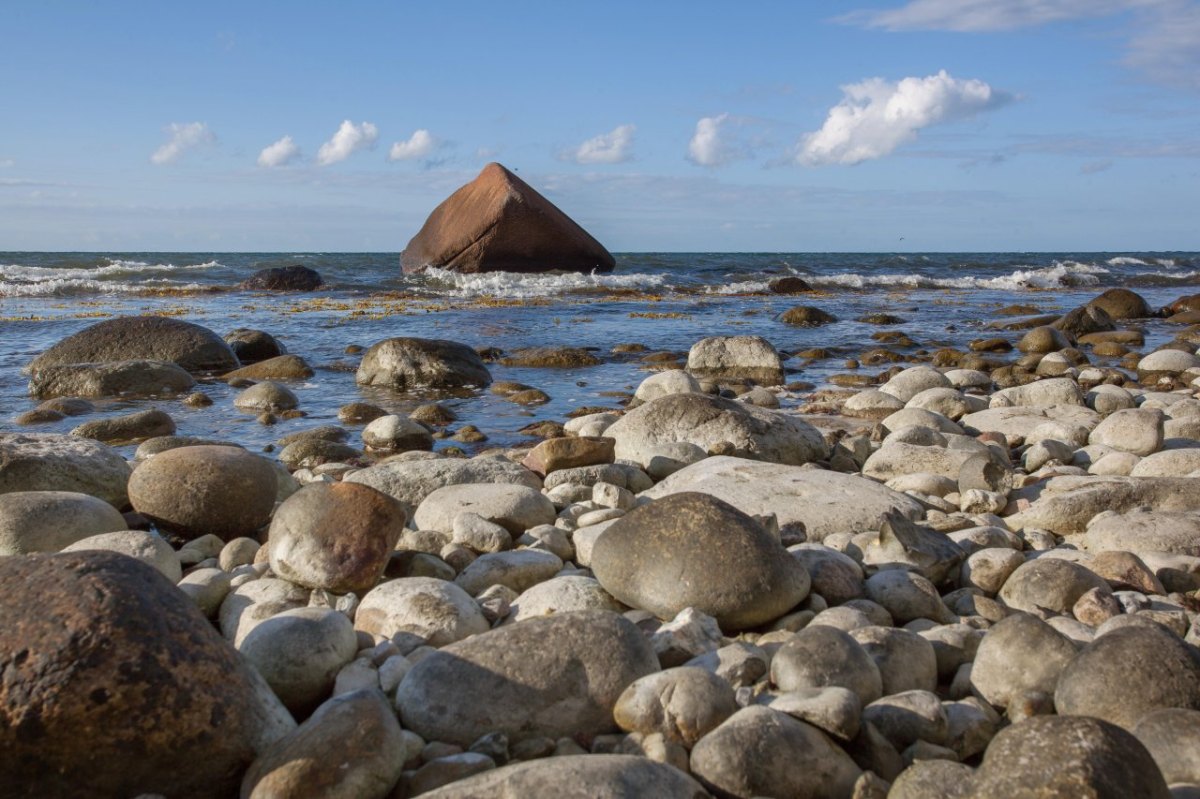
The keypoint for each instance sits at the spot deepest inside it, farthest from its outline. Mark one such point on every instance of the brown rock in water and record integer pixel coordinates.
(497, 222)
(806, 316)
(251, 346)
(1123, 304)
(551, 358)
(1191, 302)
(147, 338)
(788, 285)
(281, 367)
(116, 685)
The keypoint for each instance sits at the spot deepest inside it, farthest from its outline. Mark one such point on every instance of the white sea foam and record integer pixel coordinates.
(1125, 260)
(1059, 275)
(1170, 263)
(512, 285)
(19, 280)
(741, 287)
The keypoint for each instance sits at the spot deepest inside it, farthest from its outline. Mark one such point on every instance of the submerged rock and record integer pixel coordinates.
(409, 363)
(148, 338)
(116, 379)
(296, 277)
(498, 222)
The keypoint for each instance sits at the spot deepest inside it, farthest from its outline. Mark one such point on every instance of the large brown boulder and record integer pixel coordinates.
(142, 338)
(116, 685)
(498, 222)
(296, 277)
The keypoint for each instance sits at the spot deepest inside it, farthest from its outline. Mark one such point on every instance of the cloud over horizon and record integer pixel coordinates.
(1163, 35)
(421, 144)
(182, 137)
(876, 116)
(280, 153)
(614, 147)
(348, 139)
(706, 147)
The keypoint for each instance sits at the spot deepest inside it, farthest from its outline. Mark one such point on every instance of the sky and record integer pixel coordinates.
(885, 125)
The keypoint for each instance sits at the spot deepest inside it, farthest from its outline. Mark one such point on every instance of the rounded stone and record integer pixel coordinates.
(411, 482)
(267, 396)
(1051, 583)
(408, 363)
(1018, 656)
(438, 611)
(138, 426)
(762, 752)
(396, 434)
(672, 381)
(48, 521)
(146, 547)
(100, 641)
(907, 596)
(49, 462)
(151, 338)
(118, 379)
(1068, 756)
(1129, 672)
(1136, 430)
(562, 595)
(1172, 735)
(193, 491)
(351, 748)
(252, 346)
(516, 508)
(555, 676)
(335, 536)
(694, 550)
(736, 358)
(822, 656)
(906, 661)
(683, 704)
(299, 653)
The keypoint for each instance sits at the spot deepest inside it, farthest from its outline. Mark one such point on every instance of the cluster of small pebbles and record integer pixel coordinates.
(967, 578)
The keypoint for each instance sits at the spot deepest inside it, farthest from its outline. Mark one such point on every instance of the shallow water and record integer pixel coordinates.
(664, 301)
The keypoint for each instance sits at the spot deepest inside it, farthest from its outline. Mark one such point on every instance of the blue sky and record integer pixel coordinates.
(772, 126)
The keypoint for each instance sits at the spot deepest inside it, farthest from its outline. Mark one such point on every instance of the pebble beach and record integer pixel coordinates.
(765, 525)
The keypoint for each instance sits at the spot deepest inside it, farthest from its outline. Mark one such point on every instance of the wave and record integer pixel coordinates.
(513, 285)
(1125, 260)
(117, 276)
(1062, 274)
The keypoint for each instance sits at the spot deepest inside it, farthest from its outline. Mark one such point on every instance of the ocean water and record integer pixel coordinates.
(664, 301)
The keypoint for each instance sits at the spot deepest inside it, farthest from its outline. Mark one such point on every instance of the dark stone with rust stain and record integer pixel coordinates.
(114, 684)
(498, 222)
(143, 338)
(283, 278)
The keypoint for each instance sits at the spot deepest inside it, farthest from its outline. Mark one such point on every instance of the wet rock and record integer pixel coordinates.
(138, 378)
(1043, 339)
(266, 396)
(788, 285)
(335, 536)
(310, 452)
(1090, 318)
(438, 611)
(693, 550)
(360, 413)
(1061, 756)
(555, 676)
(296, 277)
(150, 338)
(806, 316)
(351, 748)
(568, 452)
(48, 521)
(551, 358)
(497, 222)
(106, 642)
(281, 367)
(396, 434)
(252, 346)
(409, 363)
(48, 462)
(130, 427)
(192, 491)
(1120, 303)
(736, 358)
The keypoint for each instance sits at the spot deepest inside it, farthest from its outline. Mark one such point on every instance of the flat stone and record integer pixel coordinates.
(116, 379)
(49, 462)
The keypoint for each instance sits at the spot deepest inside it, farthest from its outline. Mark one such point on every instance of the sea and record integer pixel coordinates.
(662, 301)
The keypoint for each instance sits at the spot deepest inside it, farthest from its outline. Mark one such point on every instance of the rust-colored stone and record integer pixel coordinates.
(568, 452)
(114, 684)
(498, 222)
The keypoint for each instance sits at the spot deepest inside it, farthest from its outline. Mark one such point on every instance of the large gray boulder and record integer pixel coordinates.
(411, 481)
(550, 677)
(1136, 430)
(1143, 532)
(819, 657)
(578, 777)
(1051, 584)
(1128, 672)
(814, 501)
(762, 752)
(706, 421)
(1065, 505)
(411, 363)
(116, 379)
(48, 521)
(1061, 757)
(736, 358)
(49, 462)
(148, 338)
(694, 550)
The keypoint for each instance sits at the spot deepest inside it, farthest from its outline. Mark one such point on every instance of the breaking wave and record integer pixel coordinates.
(512, 285)
(114, 277)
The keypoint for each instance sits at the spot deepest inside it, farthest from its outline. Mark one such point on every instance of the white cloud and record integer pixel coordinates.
(876, 116)
(1163, 35)
(349, 139)
(421, 144)
(607, 148)
(707, 148)
(183, 137)
(279, 154)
